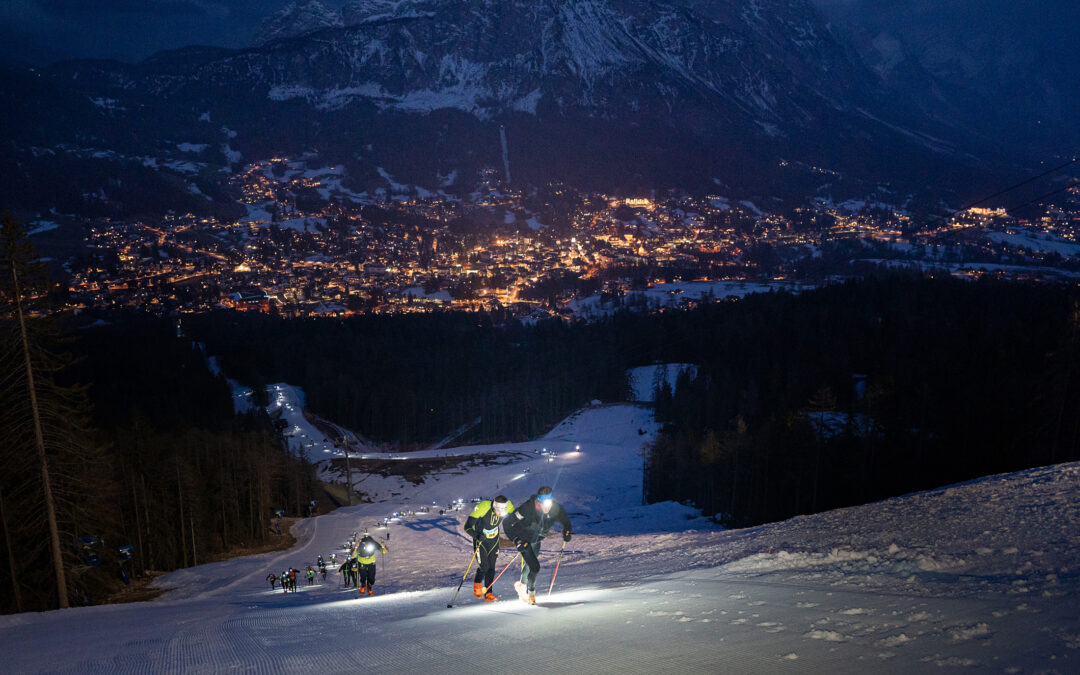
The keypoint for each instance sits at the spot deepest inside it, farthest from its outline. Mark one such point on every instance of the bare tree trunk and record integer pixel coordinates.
(183, 535)
(299, 491)
(138, 528)
(11, 557)
(39, 441)
(146, 512)
(263, 505)
(194, 555)
(224, 523)
(251, 500)
(348, 468)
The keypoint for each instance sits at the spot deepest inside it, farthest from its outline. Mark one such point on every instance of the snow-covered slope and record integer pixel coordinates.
(981, 574)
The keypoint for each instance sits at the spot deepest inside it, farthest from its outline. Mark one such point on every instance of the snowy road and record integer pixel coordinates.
(981, 576)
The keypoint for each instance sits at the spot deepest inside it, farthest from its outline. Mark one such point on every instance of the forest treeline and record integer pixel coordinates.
(866, 390)
(410, 379)
(144, 451)
(117, 434)
(836, 396)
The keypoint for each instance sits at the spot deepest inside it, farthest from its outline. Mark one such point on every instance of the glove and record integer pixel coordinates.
(566, 535)
(520, 543)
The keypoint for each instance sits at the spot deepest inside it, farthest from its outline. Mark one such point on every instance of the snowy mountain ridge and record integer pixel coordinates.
(298, 18)
(610, 95)
(421, 55)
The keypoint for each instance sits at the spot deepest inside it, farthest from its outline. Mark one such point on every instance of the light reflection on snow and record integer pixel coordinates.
(354, 602)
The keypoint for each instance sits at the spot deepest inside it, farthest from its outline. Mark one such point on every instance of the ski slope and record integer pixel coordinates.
(979, 576)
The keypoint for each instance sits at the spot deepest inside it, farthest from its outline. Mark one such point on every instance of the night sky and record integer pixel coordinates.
(42, 31)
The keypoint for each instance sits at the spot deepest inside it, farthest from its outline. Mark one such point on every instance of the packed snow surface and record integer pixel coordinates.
(980, 575)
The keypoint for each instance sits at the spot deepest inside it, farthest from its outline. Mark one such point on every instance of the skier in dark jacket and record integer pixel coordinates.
(483, 526)
(363, 559)
(272, 578)
(526, 527)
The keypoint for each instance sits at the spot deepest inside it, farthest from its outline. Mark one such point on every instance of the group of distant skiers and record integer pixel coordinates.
(358, 568)
(288, 577)
(525, 526)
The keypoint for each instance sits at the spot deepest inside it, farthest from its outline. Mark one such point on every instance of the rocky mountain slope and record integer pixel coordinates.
(759, 99)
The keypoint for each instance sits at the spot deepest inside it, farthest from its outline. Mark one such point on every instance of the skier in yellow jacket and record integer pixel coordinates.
(363, 558)
(483, 526)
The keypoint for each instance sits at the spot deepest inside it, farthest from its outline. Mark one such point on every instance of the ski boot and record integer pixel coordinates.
(370, 590)
(490, 597)
(478, 589)
(519, 588)
(532, 597)
(362, 590)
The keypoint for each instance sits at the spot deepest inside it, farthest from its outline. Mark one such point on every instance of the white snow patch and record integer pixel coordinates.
(646, 379)
(234, 156)
(529, 102)
(40, 227)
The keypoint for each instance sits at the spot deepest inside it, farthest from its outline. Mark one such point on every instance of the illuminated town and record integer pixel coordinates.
(308, 248)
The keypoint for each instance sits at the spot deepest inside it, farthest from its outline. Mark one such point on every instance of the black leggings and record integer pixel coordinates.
(485, 568)
(367, 574)
(532, 564)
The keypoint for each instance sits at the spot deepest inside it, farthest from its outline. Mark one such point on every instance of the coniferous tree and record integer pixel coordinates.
(57, 493)
(15, 260)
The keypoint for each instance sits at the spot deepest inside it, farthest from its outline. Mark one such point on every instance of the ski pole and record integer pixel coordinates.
(501, 573)
(475, 550)
(556, 573)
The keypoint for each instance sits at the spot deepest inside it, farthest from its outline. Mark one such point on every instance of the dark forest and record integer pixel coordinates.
(846, 394)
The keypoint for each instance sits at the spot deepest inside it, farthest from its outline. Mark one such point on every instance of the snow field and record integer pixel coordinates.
(981, 575)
